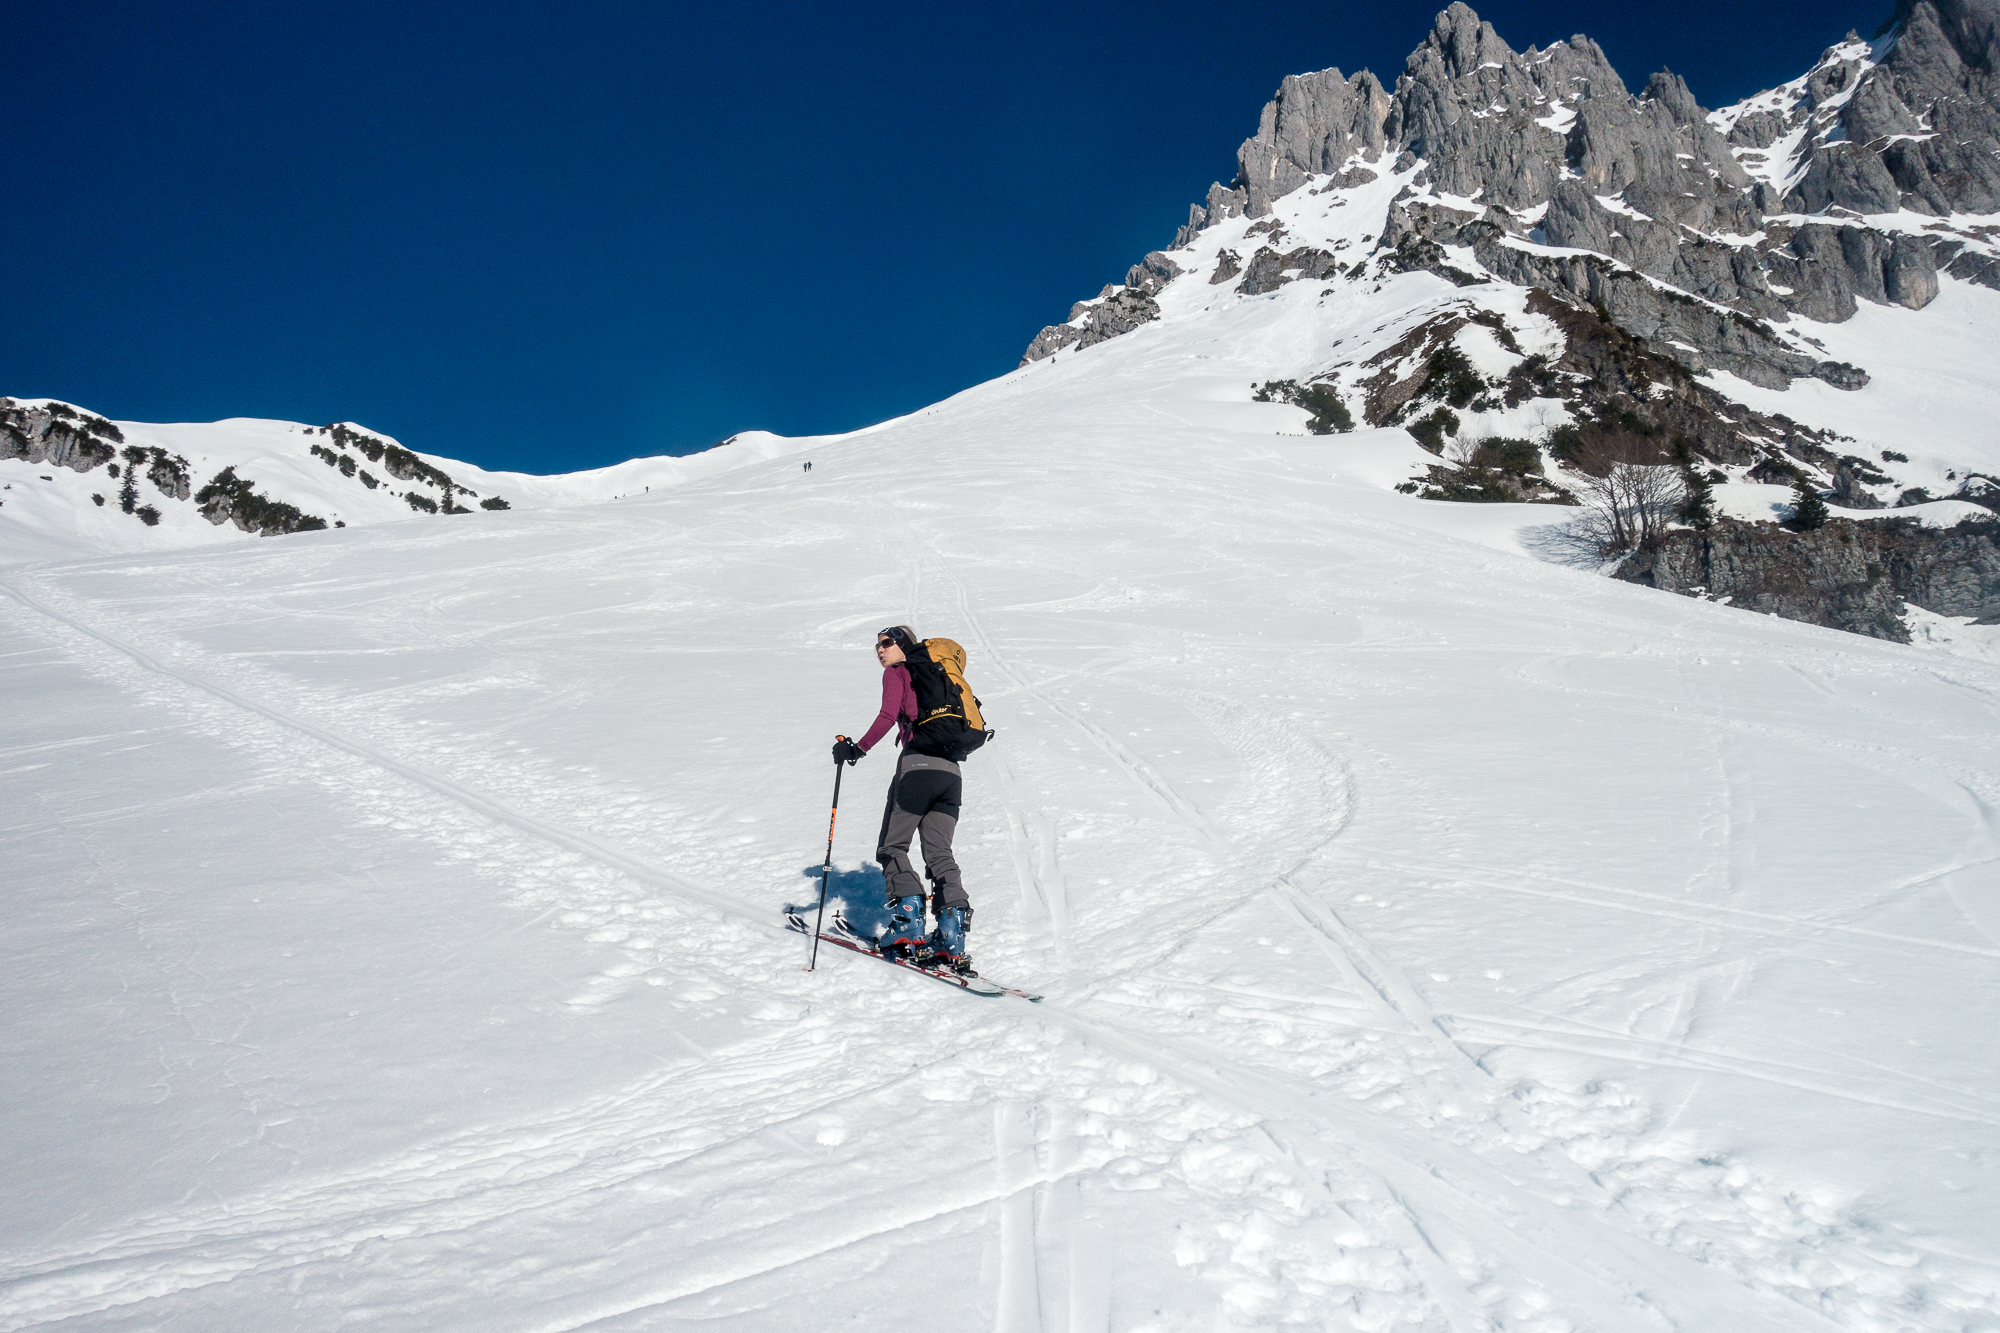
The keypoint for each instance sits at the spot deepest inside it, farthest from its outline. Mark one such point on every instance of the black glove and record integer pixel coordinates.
(846, 751)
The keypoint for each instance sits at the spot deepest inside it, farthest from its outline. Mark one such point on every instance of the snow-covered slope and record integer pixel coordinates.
(1432, 937)
(61, 503)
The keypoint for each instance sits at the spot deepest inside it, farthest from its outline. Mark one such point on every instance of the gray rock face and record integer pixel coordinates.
(1472, 109)
(1313, 127)
(1915, 131)
(58, 435)
(1115, 311)
(1651, 183)
(1982, 269)
(1270, 270)
(1655, 183)
(1846, 575)
(228, 498)
(1931, 110)
(169, 476)
(1694, 332)
(1153, 272)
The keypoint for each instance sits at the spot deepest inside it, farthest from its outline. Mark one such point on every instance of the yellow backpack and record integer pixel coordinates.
(949, 723)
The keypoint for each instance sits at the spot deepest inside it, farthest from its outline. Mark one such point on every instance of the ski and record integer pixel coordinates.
(854, 944)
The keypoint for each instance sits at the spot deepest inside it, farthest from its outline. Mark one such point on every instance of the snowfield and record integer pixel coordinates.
(1433, 938)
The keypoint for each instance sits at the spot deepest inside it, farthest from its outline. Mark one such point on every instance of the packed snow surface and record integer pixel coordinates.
(1432, 937)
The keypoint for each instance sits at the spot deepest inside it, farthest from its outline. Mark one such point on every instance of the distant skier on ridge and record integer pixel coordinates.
(937, 721)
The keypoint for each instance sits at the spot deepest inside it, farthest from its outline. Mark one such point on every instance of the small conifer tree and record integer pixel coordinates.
(1697, 508)
(128, 494)
(1808, 510)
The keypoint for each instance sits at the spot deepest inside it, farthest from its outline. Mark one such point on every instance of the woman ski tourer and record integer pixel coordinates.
(937, 724)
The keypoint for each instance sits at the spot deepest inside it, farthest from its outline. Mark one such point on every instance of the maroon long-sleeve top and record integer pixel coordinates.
(899, 707)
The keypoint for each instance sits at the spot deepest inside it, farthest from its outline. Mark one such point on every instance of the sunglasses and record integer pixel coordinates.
(885, 643)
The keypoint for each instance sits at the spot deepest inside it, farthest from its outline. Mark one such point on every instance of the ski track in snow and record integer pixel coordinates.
(538, 1167)
(1269, 790)
(479, 1179)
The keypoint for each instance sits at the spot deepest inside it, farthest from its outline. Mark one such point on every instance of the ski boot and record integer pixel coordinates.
(905, 936)
(947, 942)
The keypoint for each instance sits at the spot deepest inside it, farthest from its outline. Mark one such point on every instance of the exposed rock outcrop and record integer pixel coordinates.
(1608, 380)
(1915, 131)
(57, 434)
(1270, 270)
(1150, 274)
(228, 498)
(1651, 184)
(1663, 240)
(1846, 575)
(1116, 310)
(1315, 126)
(143, 477)
(167, 472)
(1701, 332)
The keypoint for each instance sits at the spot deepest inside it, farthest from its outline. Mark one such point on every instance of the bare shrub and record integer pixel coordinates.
(1630, 505)
(1632, 491)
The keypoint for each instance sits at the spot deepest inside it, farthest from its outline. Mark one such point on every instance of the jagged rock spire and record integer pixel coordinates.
(1550, 147)
(1485, 117)
(1313, 127)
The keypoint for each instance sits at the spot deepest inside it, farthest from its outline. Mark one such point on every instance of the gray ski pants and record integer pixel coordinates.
(923, 804)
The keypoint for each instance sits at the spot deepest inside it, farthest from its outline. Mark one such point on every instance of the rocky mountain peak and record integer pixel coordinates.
(1316, 125)
(1670, 90)
(1462, 41)
(1703, 233)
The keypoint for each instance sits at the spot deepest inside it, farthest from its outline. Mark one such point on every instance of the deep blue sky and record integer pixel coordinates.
(551, 237)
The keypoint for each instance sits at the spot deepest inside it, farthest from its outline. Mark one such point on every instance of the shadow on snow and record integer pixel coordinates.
(860, 894)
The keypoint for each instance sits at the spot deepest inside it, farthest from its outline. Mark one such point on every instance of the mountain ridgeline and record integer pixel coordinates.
(1740, 217)
(60, 435)
(1690, 261)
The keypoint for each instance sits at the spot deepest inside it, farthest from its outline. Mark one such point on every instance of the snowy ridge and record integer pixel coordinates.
(1795, 118)
(47, 510)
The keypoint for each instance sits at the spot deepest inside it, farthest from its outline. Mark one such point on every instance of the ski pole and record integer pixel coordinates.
(826, 869)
